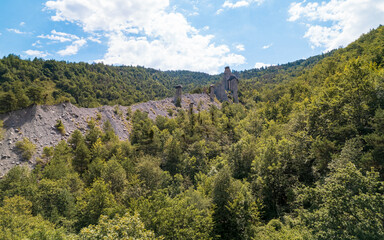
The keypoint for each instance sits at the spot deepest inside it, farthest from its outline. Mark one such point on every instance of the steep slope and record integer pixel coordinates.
(37, 123)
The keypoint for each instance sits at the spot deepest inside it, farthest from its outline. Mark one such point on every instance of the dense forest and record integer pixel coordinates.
(301, 157)
(38, 81)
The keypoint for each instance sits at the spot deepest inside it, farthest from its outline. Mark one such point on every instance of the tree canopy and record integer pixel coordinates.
(301, 157)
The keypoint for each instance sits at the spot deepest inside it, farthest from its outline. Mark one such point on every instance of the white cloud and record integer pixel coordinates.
(36, 44)
(336, 23)
(218, 12)
(240, 3)
(93, 39)
(240, 47)
(59, 36)
(36, 53)
(17, 31)
(146, 32)
(194, 14)
(261, 65)
(73, 48)
(198, 54)
(268, 46)
(22, 23)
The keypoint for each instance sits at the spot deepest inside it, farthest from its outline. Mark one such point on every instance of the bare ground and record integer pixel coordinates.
(37, 123)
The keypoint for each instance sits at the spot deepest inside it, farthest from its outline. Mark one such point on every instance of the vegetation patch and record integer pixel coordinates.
(60, 126)
(27, 148)
(2, 131)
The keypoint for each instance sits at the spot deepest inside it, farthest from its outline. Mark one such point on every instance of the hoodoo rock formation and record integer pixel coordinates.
(227, 87)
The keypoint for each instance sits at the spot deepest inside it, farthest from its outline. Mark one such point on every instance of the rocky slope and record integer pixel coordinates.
(37, 123)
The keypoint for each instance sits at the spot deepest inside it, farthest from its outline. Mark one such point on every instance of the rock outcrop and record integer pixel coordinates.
(227, 87)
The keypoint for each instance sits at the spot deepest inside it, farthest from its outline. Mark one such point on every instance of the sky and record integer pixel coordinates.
(196, 35)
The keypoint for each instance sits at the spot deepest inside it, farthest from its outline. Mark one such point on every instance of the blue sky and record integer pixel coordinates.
(198, 35)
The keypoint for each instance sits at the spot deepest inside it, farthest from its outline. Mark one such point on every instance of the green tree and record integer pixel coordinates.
(55, 202)
(109, 132)
(144, 133)
(149, 171)
(60, 166)
(17, 222)
(241, 156)
(236, 211)
(114, 175)
(8, 102)
(274, 176)
(35, 94)
(172, 156)
(75, 139)
(348, 205)
(186, 216)
(277, 230)
(125, 227)
(96, 201)
(81, 158)
(18, 181)
(375, 143)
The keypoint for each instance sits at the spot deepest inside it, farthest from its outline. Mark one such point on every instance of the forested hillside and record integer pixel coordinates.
(25, 82)
(300, 158)
(37, 81)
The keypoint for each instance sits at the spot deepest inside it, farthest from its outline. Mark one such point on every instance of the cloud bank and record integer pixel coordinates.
(337, 23)
(145, 32)
(36, 53)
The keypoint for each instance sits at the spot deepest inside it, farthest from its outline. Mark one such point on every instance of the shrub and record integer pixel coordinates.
(129, 113)
(170, 112)
(60, 126)
(27, 148)
(117, 111)
(1, 130)
(98, 116)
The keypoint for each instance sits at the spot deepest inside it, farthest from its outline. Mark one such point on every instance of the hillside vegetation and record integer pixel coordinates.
(25, 82)
(38, 81)
(300, 158)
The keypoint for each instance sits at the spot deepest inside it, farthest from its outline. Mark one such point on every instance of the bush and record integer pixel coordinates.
(1, 130)
(27, 148)
(60, 126)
